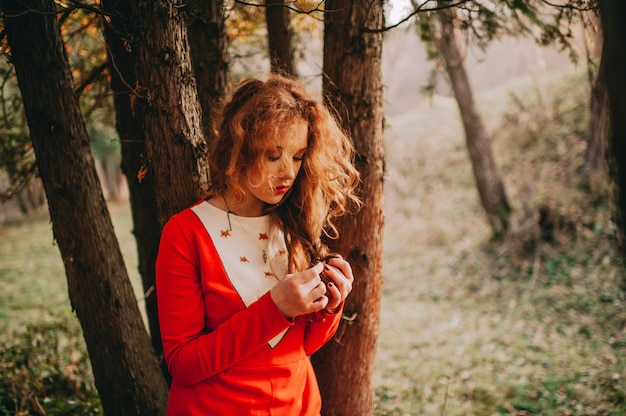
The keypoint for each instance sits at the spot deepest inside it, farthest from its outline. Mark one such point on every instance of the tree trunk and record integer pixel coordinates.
(612, 16)
(280, 38)
(209, 54)
(126, 371)
(353, 85)
(593, 168)
(166, 103)
(490, 186)
(146, 227)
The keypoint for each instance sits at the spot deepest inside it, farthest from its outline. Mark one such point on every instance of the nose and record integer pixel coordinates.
(287, 170)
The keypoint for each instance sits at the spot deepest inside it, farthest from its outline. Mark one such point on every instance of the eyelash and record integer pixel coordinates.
(277, 158)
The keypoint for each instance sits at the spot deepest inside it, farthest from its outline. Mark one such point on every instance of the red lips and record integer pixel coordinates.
(281, 189)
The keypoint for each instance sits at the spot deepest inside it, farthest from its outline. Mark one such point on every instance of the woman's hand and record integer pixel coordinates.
(339, 280)
(300, 293)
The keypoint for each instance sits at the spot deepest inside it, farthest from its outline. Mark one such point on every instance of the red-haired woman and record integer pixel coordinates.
(241, 300)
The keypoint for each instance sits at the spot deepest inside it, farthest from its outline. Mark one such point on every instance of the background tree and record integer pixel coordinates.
(280, 38)
(593, 168)
(612, 14)
(480, 22)
(146, 227)
(17, 160)
(488, 181)
(352, 84)
(166, 102)
(209, 53)
(127, 374)
(87, 56)
(210, 58)
(168, 120)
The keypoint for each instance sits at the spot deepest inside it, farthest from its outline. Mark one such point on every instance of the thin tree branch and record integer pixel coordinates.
(64, 10)
(95, 73)
(591, 5)
(419, 9)
(317, 8)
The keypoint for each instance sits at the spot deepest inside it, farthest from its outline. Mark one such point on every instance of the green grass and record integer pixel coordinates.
(469, 326)
(32, 273)
(44, 367)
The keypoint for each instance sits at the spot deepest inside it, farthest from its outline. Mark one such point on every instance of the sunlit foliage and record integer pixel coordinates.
(87, 55)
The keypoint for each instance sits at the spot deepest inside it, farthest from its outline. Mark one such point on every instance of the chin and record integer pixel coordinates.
(275, 201)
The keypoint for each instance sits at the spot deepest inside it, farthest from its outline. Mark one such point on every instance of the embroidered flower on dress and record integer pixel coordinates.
(225, 233)
(244, 259)
(263, 236)
(282, 252)
(270, 274)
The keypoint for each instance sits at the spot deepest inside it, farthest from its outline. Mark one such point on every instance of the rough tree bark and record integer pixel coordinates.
(210, 62)
(127, 373)
(353, 85)
(612, 15)
(146, 228)
(488, 181)
(209, 54)
(166, 103)
(280, 38)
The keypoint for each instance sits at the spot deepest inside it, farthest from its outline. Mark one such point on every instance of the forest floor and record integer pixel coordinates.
(529, 325)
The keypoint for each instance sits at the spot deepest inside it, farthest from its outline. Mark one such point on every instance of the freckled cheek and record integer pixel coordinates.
(265, 172)
(272, 174)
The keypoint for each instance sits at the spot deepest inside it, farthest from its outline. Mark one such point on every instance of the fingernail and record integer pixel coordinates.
(330, 284)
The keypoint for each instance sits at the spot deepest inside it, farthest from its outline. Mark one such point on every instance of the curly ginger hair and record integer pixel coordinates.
(325, 187)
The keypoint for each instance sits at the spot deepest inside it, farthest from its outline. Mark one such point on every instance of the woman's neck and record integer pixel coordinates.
(229, 203)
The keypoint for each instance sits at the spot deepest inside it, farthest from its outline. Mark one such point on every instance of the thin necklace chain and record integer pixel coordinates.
(228, 211)
(230, 227)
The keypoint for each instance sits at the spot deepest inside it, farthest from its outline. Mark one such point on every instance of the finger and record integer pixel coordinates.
(317, 292)
(319, 303)
(309, 279)
(333, 291)
(319, 266)
(343, 266)
(343, 289)
(335, 275)
(313, 288)
(334, 296)
(313, 272)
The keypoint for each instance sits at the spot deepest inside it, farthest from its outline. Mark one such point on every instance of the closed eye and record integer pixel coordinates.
(299, 156)
(274, 156)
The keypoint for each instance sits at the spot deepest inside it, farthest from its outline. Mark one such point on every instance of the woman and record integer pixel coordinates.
(241, 300)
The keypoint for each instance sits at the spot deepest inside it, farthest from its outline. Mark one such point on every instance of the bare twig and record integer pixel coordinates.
(419, 9)
(95, 73)
(590, 6)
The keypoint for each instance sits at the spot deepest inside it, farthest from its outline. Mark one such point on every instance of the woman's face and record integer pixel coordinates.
(280, 165)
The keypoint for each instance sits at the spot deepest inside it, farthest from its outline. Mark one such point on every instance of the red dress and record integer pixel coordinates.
(217, 349)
